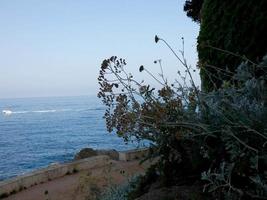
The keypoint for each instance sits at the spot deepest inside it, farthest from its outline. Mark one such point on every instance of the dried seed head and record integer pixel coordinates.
(156, 38)
(141, 68)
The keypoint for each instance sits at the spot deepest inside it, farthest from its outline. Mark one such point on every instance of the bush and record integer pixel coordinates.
(193, 8)
(119, 192)
(235, 26)
(142, 184)
(219, 137)
(236, 117)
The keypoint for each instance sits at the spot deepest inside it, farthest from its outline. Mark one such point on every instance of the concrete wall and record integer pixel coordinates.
(19, 183)
(52, 172)
(133, 154)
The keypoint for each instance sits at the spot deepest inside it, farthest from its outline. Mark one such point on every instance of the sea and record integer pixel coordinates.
(41, 131)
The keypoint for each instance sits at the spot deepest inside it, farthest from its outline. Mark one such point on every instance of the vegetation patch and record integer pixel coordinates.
(4, 195)
(216, 138)
(230, 32)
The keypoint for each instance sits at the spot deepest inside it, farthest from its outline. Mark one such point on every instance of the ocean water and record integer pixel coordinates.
(41, 131)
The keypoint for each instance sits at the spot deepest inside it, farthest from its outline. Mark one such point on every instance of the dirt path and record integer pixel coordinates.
(84, 185)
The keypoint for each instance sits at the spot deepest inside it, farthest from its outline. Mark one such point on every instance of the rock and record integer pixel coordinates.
(112, 153)
(85, 153)
(89, 152)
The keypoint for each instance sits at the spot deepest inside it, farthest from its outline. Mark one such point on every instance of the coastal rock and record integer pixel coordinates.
(89, 152)
(85, 153)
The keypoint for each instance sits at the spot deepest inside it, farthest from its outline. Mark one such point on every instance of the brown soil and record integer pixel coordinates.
(84, 185)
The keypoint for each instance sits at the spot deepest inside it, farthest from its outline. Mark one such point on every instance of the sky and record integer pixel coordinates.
(55, 47)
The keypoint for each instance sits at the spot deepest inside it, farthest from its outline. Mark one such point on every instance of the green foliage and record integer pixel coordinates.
(235, 26)
(119, 192)
(141, 184)
(193, 8)
(237, 120)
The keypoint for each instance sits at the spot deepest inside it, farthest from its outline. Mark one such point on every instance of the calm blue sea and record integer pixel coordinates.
(41, 131)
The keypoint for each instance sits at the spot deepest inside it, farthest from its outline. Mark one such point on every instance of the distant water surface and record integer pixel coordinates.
(41, 131)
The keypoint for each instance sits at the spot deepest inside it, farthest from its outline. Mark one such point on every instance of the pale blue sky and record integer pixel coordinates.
(55, 47)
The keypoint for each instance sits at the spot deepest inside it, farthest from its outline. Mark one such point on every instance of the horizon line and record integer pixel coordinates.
(52, 96)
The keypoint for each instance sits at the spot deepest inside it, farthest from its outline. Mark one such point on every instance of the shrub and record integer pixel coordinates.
(236, 117)
(235, 26)
(219, 136)
(193, 8)
(116, 192)
(4, 195)
(141, 184)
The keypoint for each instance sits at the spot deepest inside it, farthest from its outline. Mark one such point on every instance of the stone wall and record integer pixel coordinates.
(133, 154)
(19, 183)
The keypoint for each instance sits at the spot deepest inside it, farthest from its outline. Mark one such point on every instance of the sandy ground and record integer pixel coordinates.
(84, 185)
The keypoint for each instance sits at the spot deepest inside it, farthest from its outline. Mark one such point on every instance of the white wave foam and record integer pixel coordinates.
(39, 111)
(44, 111)
(7, 112)
(20, 112)
(79, 110)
